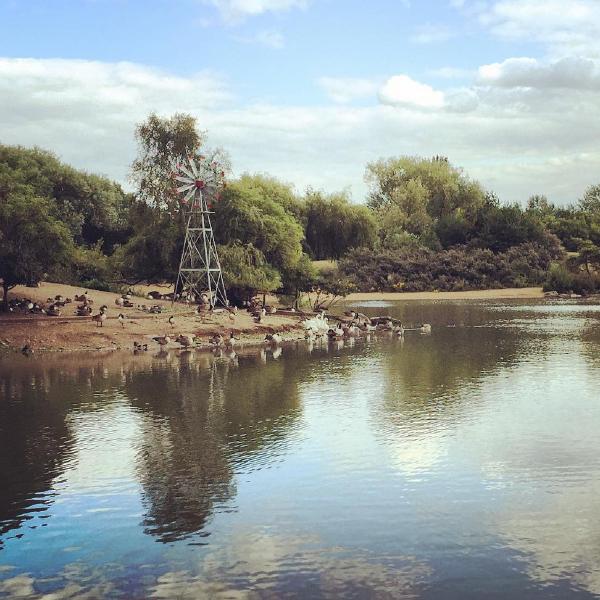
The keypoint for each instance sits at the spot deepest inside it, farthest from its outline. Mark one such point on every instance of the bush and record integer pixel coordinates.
(459, 268)
(558, 280)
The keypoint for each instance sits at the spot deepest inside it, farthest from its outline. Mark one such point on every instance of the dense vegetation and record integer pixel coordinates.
(425, 226)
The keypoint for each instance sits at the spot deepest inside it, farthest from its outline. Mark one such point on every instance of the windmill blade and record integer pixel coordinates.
(187, 171)
(193, 167)
(183, 179)
(189, 195)
(185, 188)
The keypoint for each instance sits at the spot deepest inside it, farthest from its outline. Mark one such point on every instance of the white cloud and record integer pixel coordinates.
(517, 141)
(402, 90)
(565, 27)
(267, 38)
(236, 10)
(569, 73)
(432, 34)
(345, 90)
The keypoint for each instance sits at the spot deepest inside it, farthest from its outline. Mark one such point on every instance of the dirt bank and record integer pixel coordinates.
(71, 333)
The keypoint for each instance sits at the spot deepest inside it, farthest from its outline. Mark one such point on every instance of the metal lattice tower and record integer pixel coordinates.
(200, 272)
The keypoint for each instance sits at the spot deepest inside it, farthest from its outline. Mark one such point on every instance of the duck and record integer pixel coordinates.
(162, 340)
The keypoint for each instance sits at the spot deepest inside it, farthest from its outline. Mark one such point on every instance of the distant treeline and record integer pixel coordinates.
(424, 226)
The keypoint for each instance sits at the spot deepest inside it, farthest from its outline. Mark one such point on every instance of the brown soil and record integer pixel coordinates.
(69, 332)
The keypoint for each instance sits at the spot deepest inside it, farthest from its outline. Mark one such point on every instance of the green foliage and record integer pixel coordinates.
(248, 215)
(333, 225)
(302, 277)
(442, 188)
(94, 208)
(152, 254)
(32, 241)
(422, 197)
(246, 272)
(162, 143)
(559, 279)
(330, 286)
(460, 268)
(502, 227)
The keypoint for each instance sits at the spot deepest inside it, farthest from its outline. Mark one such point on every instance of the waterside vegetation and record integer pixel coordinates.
(425, 225)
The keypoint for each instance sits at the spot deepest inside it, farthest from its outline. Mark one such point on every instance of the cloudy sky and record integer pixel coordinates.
(312, 90)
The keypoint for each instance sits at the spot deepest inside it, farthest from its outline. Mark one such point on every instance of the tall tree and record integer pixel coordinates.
(420, 192)
(334, 225)
(32, 241)
(162, 142)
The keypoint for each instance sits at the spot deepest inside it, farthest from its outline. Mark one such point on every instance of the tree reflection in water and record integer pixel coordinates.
(204, 417)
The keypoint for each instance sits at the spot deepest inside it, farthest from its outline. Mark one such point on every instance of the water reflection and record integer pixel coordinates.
(457, 465)
(202, 419)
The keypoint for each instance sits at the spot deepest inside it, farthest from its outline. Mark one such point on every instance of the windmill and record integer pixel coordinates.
(198, 182)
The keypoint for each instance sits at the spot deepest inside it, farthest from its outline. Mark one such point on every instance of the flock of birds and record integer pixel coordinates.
(351, 325)
(354, 324)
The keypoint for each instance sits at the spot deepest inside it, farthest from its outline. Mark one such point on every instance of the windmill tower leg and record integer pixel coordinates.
(199, 267)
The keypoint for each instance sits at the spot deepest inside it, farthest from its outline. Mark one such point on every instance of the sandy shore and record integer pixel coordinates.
(501, 294)
(71, 333)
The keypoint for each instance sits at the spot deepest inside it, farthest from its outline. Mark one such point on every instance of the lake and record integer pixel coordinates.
(460, 464)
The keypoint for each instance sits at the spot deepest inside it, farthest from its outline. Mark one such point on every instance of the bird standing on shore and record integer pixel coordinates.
(162, 340)
(121, 319)
(172, 321)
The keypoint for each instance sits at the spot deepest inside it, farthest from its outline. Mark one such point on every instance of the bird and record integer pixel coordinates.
(425, 328)
(185, 340)
(121, 319)
(272, 338)
(230, 343)
(119, 301)
(172, 321)
(27, 350)
(162, 340)
(100, 318)
(216, 340)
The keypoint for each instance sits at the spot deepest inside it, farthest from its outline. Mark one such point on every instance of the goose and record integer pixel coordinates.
(332, 334)
(272, 338)
(172, 321)
(216, 340)
(53, 311)
(99, 318)
(399, 330)
(185, 340)
(162, 340)
(230, 343)
(121, 319)
(27, 350)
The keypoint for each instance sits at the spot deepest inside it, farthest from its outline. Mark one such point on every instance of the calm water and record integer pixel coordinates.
(461, 464)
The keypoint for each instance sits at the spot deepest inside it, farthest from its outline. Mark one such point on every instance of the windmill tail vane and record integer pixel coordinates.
(200, 278)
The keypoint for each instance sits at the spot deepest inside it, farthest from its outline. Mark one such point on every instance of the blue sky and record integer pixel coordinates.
(311, 90)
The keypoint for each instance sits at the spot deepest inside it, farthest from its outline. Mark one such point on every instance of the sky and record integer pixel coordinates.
(311, 91)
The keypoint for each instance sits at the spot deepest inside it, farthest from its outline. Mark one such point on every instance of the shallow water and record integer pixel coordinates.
(461, 464)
